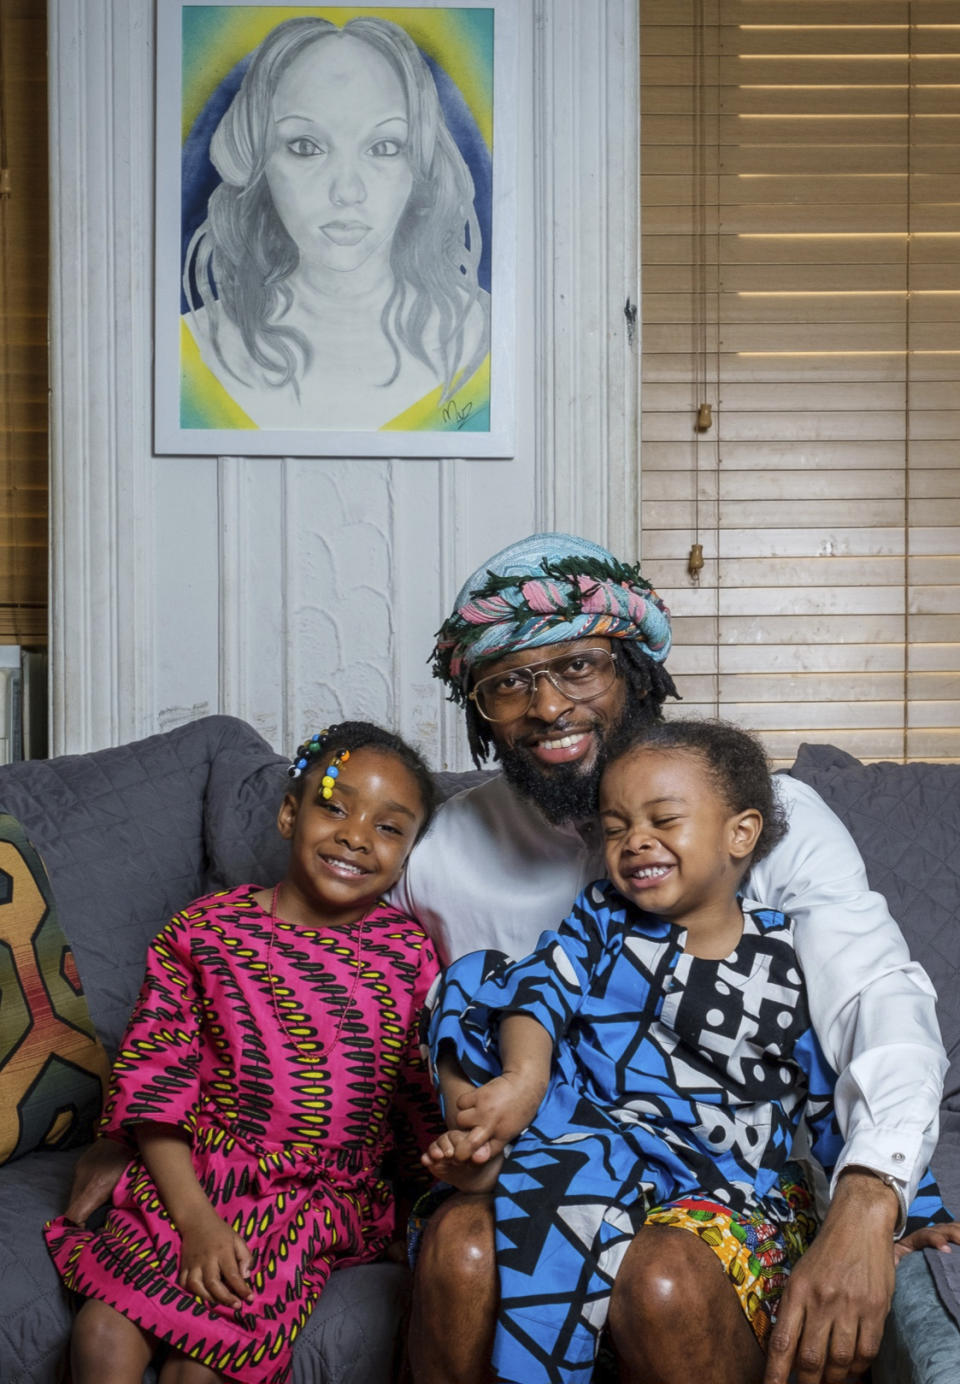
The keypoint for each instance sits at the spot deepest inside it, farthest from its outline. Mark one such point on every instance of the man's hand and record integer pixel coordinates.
(496, 1112)
(831, 1316)
(95, 1175)
(215, 1262)
(940, 1236)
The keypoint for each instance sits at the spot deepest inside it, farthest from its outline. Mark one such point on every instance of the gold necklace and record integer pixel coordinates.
(323, 1052)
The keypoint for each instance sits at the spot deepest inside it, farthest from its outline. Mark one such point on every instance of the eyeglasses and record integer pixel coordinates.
(580, 676)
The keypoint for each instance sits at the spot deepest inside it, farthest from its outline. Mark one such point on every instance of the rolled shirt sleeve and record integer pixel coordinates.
(874, 1010)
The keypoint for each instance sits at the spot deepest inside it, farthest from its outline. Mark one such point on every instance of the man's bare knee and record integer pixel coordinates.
(459, 1240)
(674, 1313)
(664, 1270)
(455, 1294)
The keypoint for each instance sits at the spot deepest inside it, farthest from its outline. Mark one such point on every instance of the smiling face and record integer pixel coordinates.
(347, 850)
(671, 843)
(553, 753)
(339, 173)
(556, 731)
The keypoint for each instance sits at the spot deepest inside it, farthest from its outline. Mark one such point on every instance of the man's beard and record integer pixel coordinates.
(568, 793)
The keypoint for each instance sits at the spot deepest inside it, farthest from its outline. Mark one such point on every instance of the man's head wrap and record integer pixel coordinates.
(546, 589)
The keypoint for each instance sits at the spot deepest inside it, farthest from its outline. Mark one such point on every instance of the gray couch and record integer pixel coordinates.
(131, 834)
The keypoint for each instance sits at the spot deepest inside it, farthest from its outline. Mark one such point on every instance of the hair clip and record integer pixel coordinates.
(329, 779)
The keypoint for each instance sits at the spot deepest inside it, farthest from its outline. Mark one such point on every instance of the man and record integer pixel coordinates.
(553, 649)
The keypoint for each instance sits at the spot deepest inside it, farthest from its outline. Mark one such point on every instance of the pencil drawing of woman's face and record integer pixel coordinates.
(340, 174)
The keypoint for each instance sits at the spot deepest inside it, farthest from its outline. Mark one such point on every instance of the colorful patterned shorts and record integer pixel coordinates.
(756, 1252)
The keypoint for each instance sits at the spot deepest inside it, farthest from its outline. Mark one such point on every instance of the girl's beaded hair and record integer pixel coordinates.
(735, 761)
(333, 746)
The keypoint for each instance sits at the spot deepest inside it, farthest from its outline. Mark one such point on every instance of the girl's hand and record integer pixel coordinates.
(450, 1159)
(496, 1112)
(215, 1262)
(940, 1236)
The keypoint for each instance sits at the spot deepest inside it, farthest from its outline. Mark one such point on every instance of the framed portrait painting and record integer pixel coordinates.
(335, 229)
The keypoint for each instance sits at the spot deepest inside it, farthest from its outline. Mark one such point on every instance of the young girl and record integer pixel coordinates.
(270, 1065)
(651, 1059)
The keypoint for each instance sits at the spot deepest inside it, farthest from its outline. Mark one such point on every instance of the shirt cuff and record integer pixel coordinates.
(891, 1155)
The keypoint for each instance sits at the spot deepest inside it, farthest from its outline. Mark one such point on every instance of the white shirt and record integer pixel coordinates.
(493, 873)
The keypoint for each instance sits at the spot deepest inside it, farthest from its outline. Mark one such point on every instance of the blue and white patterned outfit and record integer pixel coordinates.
(673, 1076)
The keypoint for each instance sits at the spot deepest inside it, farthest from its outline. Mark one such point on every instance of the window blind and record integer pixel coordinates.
(23, 323)
(801, 274)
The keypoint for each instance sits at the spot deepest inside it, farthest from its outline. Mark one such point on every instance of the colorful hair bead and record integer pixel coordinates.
(307, 751)
(311, 749)
(329, 779)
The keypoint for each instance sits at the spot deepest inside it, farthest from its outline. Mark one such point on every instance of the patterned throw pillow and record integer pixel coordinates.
(53, 1068)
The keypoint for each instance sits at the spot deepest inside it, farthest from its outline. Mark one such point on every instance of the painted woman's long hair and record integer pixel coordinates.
(241, 257)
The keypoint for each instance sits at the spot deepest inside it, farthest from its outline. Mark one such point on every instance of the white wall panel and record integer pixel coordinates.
(102, 590)
(290, 592)
(181, 578)
(337, 585)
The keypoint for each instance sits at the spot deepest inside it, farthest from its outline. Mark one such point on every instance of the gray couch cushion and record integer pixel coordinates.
(122, 836)
(243, 794)
(905, 818)
(35, 1315)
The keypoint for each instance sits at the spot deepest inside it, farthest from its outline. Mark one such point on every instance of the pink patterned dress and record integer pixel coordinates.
(293, 1091)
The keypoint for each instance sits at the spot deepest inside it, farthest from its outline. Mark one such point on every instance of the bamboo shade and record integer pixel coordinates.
(801, 273)
(23, 323)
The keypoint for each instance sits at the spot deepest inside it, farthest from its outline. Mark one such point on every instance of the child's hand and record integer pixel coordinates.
(940, 1236)
(496, 1112)
(215, 1262)
(450, 1159)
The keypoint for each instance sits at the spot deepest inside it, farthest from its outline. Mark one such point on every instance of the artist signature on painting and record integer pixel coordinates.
(455, 413)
